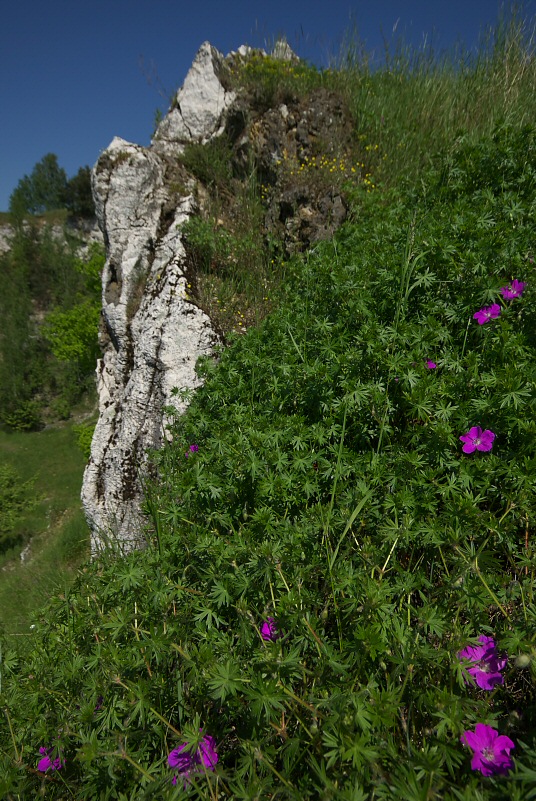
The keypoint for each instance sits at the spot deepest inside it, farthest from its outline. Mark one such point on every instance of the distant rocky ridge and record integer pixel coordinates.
(86, 230)
(152, 332)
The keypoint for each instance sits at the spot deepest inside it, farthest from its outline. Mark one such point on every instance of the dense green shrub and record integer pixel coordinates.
(72, 334)
(84, 435)
(210, 163)
(16, 497)
(318, 481)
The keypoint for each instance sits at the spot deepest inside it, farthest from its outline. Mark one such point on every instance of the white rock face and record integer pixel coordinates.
(153, 336)
(197, 114)
(152, 333)
(6, 232)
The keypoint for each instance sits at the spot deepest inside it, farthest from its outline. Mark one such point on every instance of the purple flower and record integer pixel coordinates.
(485, 315)
(513, 290)
(477, 440)
(187, 763)
(431, 365)
(48, 764)
(192, 449)
(486, 664)
(269, 629)
(491, 751)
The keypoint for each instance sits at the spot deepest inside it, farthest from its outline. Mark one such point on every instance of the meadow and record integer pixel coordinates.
(52, 524)
(336, 600)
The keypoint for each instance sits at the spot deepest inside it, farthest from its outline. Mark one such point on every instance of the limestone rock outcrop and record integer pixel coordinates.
(152, 334)
(200, 105)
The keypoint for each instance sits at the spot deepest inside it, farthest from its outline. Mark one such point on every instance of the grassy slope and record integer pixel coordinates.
(56, 524)
(163, 650)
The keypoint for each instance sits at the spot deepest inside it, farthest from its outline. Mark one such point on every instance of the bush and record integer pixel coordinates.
(72, 334)
(210, 163)
(84, 436)
(15, 499)
(26, 417)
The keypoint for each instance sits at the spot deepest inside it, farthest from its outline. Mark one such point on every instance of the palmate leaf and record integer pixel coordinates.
(207, 615)
(361, 751)
(226, 680)
(220, 594)
(265, 698)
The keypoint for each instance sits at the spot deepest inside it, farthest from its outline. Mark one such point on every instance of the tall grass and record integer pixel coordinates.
(416, 102)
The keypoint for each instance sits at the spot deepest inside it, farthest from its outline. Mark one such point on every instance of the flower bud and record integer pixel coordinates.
(522, 660)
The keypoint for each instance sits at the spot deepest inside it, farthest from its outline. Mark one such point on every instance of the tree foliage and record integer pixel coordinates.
(47, 188)
(42, 190)
(50, 313)
(78, 198)
(72, 334)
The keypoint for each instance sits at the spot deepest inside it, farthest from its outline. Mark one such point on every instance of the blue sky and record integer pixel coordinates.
(75, 73)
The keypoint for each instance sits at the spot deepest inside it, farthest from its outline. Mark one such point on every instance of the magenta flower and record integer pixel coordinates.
(192, 449)
(477, 440)
(48, 764)
(489, 313)
(269, 629)
(486, 665)
(188, 763)
(491, 750)
(431, 365)
(513, 290)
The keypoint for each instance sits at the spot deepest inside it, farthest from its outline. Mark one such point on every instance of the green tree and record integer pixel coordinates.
(21, 356)
(44, 189)
(72, 334)
(78, 197)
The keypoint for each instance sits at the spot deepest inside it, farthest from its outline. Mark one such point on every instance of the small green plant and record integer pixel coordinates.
(210, 163)
(84, 435)
(270, 81)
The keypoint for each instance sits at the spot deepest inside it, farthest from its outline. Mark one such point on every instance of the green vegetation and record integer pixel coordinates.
(50, 311)
(320, 548)
(15, 498)
(47, 189)
(270, 81)
(420, 103)
(237, 279)
(48, 466)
